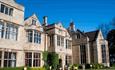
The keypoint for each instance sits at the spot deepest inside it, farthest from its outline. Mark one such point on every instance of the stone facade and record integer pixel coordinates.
(22, 41)
(59, 41)
(89, 47)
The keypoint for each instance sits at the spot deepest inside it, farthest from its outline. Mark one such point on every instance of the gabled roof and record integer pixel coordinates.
(59, 24)
(28, 20)
(92, 35)
(81, 32)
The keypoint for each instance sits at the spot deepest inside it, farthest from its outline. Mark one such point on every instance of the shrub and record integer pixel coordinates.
(76, 65)
(71, 66)
(97, 66)
(80, 67)
(87, 66)
(50, 59)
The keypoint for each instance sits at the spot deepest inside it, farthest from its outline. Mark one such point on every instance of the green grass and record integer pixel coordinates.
(17, 68)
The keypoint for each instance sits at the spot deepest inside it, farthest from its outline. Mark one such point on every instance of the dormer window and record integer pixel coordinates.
(33, 22)
(6, 10)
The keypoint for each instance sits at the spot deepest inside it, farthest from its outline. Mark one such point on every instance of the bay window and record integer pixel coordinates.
(34, 36)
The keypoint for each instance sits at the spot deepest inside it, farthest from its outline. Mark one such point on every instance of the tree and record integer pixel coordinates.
(111, 38)
(53, 60)
(105, 28)
(111, 42)
(50, 59)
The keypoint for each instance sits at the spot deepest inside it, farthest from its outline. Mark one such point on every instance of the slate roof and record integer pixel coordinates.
(92, 35)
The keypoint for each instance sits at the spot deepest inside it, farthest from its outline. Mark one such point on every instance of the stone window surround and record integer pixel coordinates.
(82, 53)
(68, 44)
(68, 59)
(9, 10)
(33, 58)
(33, 37)
(60, 40)
(103, 49)
(2, 59)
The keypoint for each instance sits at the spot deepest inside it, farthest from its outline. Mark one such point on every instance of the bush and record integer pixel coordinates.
(80, 67)
(97, 66)
(76, 65)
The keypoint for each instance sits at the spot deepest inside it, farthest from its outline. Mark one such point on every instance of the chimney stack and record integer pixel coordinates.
(72, 26)
(45, 20)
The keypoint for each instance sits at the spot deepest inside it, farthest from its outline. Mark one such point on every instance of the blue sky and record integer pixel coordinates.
(86, 14)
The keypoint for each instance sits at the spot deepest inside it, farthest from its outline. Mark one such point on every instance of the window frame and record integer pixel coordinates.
(33, 59)
(8, 58)
(6, 10)
(11, 31)
(103, 49)
(1, 29)
(34, 21)
(83, 53)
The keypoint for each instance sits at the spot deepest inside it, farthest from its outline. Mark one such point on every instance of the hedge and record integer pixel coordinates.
(22, 68)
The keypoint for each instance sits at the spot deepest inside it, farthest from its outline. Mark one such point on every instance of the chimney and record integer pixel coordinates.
(72, 26)
(45, 20)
